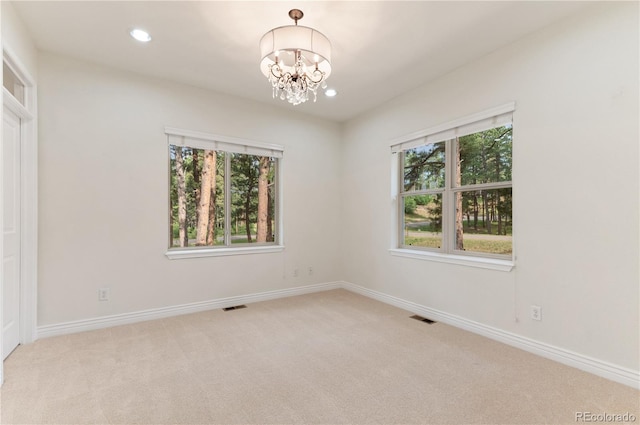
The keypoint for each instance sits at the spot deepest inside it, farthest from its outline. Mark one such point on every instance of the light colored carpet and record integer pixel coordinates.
(331, 357)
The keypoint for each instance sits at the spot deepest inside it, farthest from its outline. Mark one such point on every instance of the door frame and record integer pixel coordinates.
(28, 197)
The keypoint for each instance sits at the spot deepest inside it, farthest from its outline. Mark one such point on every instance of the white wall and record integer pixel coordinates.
(575, 157)
(104, 193)
(17, 40)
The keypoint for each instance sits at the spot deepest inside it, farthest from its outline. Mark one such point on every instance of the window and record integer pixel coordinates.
(12, 83)
(454, 188)
(223, 194)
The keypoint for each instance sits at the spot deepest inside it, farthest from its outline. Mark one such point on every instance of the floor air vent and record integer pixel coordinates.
(235, 307)
(423, 319)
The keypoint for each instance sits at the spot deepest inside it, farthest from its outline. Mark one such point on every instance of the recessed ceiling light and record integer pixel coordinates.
(140, 35)
(330, 92)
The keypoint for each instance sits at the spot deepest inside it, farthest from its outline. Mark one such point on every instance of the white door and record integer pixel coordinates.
(11, 246)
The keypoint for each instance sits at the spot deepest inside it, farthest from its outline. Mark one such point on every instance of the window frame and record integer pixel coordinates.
(447, 133)
(201, 140)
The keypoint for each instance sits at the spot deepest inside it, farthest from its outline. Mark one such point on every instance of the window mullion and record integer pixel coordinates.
(227, 199)
(278, 210)
(484, 186)
(423, 192)
(446, 198)
(400, 203)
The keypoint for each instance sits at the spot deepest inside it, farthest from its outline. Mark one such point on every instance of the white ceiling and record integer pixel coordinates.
(381, 49)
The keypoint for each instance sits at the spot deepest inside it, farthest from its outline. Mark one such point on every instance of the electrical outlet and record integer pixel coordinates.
(310, 270)
(103, 294)
(296, 272)
(536, 312)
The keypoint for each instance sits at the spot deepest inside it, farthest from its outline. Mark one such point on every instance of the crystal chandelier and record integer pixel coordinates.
(296, 60)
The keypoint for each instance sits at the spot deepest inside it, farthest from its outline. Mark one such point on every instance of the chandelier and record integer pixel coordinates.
(296, 60)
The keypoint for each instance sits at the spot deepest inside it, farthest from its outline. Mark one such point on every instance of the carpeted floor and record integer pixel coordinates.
(331, 357)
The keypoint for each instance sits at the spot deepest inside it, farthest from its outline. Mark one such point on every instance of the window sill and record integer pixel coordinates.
(483, 263)
(176, 254)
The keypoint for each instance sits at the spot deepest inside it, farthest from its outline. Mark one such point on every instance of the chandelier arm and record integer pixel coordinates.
(279, 69)
(319, 73)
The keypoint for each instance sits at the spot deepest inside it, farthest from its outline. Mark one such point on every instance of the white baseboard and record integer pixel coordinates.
(597, 367)
(163, 312)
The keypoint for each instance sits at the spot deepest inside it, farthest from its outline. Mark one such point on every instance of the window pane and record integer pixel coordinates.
(12, 83)
(424, 167)
(484, 221)
(196, 194)
(252, 198)
(422, 220)
(485, 157)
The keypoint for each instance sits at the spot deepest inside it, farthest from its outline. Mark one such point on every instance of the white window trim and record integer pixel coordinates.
(197, 139)
(485, 119)
(178, 253)
(461, 260)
